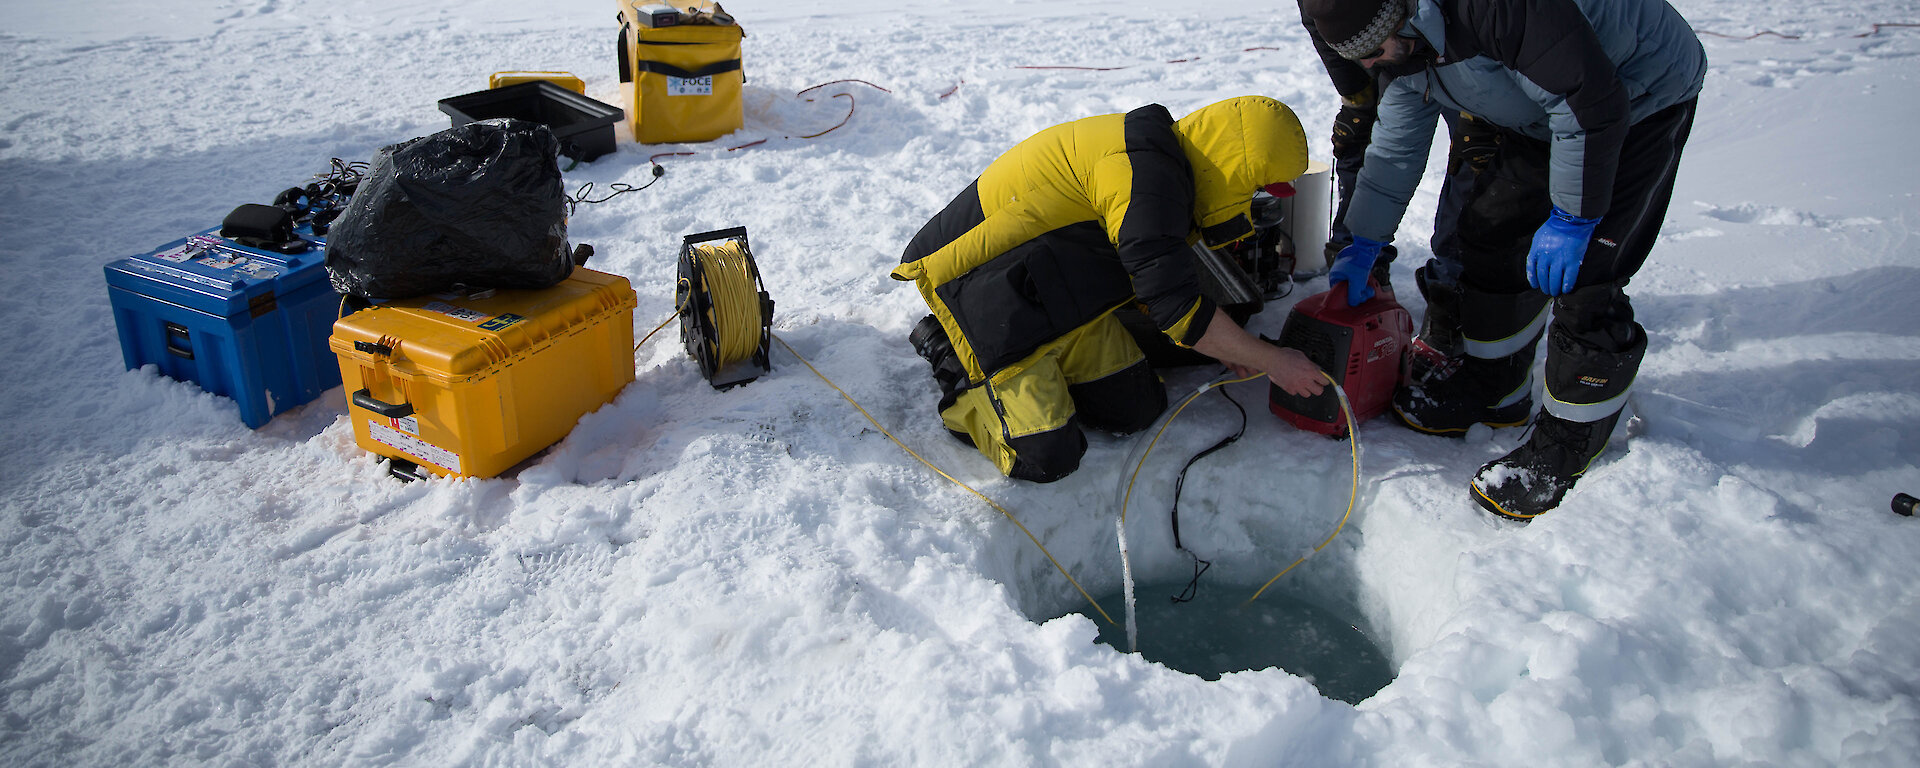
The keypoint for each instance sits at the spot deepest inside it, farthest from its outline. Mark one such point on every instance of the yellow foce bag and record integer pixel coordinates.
(682, 78)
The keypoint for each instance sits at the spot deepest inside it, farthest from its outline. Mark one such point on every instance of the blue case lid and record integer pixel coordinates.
(208, 273)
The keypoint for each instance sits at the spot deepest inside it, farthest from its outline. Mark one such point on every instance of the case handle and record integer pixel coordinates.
(620, 52)
(179, 341)
(365, 399)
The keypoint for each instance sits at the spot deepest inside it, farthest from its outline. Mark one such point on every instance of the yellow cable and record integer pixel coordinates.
(736, 305)
(983, 497)
(737, 320)
(1135, 477)
(681, 307)
(1120, 528)
(1353, 440)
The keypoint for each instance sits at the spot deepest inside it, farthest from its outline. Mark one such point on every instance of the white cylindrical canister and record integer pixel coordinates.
(1309, 218)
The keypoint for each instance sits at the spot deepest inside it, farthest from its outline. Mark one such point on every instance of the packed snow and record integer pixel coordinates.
(758, 576)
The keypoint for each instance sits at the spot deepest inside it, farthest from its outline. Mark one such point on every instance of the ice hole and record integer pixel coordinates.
(1329, 620)
(1218, 631)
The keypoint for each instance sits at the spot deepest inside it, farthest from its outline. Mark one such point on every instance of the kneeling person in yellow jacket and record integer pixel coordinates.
(1024, 270)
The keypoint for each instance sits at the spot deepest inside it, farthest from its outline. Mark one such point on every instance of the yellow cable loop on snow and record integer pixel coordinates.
(1135, 477)
(736, 307)
(1353, 441)
(983, 497)
(681, 307)
(1120, 525)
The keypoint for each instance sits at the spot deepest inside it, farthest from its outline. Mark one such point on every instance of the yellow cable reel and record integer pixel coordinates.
(726, 319)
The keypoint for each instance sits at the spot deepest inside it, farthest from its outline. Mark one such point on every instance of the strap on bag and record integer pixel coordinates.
(622, 51)
(623, 48)
(662, 68)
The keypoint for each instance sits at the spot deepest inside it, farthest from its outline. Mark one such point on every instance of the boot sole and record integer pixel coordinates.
(1459, 431)
(1494, 508)
(1487, 503)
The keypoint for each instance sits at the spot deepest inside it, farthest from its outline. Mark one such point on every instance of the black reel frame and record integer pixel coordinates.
(694, 293)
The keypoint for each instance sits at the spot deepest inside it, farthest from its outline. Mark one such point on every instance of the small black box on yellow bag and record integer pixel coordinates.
(682, 82)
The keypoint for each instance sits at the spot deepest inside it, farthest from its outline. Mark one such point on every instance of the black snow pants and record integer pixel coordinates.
(1594, 344)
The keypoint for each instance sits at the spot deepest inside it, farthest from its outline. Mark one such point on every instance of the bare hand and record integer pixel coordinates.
(1247, 355)
(1293, 373)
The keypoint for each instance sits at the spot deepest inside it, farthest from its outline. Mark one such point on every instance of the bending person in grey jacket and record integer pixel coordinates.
(1595, 99)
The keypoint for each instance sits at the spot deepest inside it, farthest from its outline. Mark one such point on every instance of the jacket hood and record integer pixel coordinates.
(1237, 146)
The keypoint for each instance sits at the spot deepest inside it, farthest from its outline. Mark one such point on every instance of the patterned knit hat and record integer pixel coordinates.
(1354, 28)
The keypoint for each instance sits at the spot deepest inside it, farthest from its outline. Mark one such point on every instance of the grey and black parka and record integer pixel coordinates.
(1574, 73)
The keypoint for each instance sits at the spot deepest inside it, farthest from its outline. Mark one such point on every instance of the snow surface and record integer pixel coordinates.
(758, 577)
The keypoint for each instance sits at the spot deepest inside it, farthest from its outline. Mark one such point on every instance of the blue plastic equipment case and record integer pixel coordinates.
(248, 324)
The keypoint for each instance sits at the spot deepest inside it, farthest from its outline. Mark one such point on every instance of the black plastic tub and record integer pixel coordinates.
(584, 126)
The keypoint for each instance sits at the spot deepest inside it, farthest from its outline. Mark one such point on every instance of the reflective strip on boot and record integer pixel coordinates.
(1587, 412)
(1511, 345)
(1586, 384)
(1522, 392)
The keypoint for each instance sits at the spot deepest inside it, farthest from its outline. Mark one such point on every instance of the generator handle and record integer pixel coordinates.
(365, 399)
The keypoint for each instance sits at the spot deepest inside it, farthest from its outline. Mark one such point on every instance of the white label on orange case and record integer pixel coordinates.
(457, 313)
(413, 446)
(690, 86)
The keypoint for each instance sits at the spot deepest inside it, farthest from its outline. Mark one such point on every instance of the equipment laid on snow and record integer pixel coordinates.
(1243, 275)
(1240, 277)
(479, 206)
(267, 227)
(1360, 346)
(316, 204)
(471, 385)
(726, 315)
(241, 322)
(1308, 214)
(567, 80)
(657, 15)
(583, 126)
(1225, 279)
(682, 81)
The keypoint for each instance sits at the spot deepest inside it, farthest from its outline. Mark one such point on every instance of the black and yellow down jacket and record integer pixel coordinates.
(1084, 217)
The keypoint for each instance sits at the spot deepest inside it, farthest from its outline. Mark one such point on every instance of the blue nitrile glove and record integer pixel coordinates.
(1554, 263)
(1353, 266)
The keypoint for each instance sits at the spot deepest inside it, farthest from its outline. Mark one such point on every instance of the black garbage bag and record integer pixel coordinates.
(480, 206)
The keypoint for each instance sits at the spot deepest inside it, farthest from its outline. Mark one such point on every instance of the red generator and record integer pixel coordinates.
(1360, 347)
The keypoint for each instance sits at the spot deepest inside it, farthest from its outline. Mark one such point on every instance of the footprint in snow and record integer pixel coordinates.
(1767, 215)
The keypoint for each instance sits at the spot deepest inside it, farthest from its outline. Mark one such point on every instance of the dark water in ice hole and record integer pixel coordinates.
(1214, 634)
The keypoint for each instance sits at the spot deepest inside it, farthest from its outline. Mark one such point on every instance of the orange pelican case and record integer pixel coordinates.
(469, 386)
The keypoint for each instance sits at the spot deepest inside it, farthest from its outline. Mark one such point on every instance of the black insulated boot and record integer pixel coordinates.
(1537, 475)
(1494, 390)
(930, 342)
(1583, 382)
(1438, 348)
(1497, 393)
